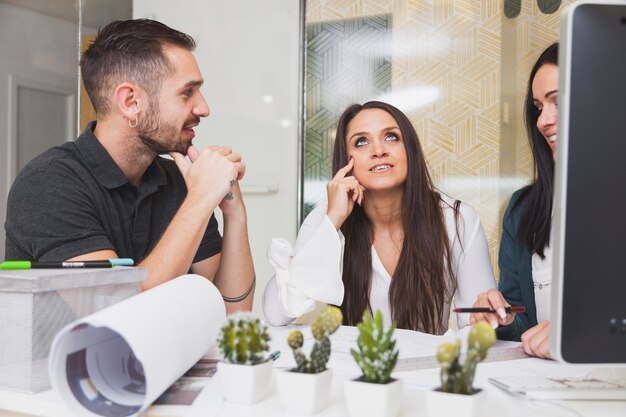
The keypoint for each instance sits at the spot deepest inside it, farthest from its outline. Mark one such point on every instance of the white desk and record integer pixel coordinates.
(495, 403)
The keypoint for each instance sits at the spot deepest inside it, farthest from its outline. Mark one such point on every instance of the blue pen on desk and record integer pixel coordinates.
(274, 355)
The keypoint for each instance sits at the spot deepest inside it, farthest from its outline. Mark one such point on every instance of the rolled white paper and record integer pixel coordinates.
(117, 361)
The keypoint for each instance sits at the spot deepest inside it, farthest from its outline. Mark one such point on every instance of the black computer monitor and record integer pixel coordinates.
(589, 295)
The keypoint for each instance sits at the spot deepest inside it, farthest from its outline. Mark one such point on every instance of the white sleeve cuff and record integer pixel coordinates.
(312, 274)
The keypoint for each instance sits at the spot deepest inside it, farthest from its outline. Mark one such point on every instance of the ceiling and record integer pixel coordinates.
(96, 13)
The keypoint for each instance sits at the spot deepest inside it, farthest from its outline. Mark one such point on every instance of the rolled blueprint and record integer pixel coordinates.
(117, 361)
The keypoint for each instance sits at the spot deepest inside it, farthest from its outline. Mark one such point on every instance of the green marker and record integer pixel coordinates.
(107, 263)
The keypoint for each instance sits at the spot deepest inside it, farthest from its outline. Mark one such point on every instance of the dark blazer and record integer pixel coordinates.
(516, 278)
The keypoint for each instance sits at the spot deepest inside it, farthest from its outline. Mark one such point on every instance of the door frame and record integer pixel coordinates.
(53, 84)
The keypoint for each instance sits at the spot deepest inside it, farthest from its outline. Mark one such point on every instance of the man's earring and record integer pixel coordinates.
(133, 125)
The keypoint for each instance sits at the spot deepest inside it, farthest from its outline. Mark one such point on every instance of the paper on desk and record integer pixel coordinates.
(416, 350)
(410, 343)
(117, 361)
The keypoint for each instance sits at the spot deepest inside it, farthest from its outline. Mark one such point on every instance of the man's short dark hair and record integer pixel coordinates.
(129, 51)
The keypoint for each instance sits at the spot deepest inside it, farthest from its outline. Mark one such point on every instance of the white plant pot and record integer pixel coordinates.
(303, 393)
(373, 400)
(244, 384)
(445, 404)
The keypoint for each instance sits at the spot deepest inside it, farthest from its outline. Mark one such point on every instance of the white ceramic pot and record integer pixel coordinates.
(244, 384)
(445, 404)
(373, 400)
(303, 393)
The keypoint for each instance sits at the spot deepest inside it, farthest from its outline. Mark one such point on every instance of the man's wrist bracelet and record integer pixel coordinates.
(241, 297)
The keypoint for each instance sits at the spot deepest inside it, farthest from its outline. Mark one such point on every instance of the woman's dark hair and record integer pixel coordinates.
(129, 50)
(536, 217)
(423, 282)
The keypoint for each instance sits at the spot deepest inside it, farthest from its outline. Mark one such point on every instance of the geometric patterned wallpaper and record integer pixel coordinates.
(347, 61)
(458, 70)
(535, 31)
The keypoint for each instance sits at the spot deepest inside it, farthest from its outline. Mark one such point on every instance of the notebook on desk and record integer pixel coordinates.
(555, 388)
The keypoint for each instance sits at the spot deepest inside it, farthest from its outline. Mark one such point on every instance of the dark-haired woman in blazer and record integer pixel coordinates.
(525, 258)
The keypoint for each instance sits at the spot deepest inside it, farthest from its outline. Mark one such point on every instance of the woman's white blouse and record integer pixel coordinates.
(542, 280)
(311, 271)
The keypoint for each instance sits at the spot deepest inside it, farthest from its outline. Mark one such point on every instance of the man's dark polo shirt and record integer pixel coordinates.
(73, 199)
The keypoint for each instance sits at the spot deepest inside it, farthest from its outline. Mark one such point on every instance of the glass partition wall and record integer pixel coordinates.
(38, 82)
(458, 69)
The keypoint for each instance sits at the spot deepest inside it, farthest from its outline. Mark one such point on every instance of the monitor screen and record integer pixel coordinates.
(589, 296)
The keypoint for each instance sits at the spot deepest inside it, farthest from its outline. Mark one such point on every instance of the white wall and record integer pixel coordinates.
(35, 48)
(248, 51)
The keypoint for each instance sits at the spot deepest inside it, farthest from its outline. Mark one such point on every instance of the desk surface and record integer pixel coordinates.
(495, 402)
(417, 383)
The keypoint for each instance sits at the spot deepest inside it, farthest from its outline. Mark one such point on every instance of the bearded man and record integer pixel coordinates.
(110, 194)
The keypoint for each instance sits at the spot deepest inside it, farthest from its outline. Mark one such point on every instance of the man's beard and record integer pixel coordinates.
(163, 137)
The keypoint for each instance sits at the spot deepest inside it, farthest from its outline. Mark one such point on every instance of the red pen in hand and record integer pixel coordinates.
(513, 309)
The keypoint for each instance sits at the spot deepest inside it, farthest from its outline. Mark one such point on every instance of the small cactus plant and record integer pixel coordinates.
(322, 327)
(376, 355)
(457, 378)
(243, 339)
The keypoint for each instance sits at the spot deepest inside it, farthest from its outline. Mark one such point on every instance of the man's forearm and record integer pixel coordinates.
(174, 253)
(235, 275)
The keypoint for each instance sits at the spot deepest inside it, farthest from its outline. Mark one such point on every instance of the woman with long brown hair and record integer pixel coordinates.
(525, 257)
(387, 240)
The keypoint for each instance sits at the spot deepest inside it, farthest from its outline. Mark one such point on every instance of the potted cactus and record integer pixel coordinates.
(304, 389)
(246, 369)
(375, 393)
(457, 396)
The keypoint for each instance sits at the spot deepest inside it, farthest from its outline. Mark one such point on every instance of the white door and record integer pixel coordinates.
(42, 116)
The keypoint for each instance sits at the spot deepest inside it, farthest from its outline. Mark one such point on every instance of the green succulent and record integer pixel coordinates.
(295, 339)
(448, 352)
(456, 377)
(481, 337)
(376, 355)
(244, 339)
(323, 326)
(326, 323)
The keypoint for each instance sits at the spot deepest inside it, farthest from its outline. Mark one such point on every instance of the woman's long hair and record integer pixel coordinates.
(419, 288)
(536, 218)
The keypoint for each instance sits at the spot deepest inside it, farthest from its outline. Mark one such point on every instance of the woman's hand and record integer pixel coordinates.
(536, 340)
(492, 299)
(343, 192)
